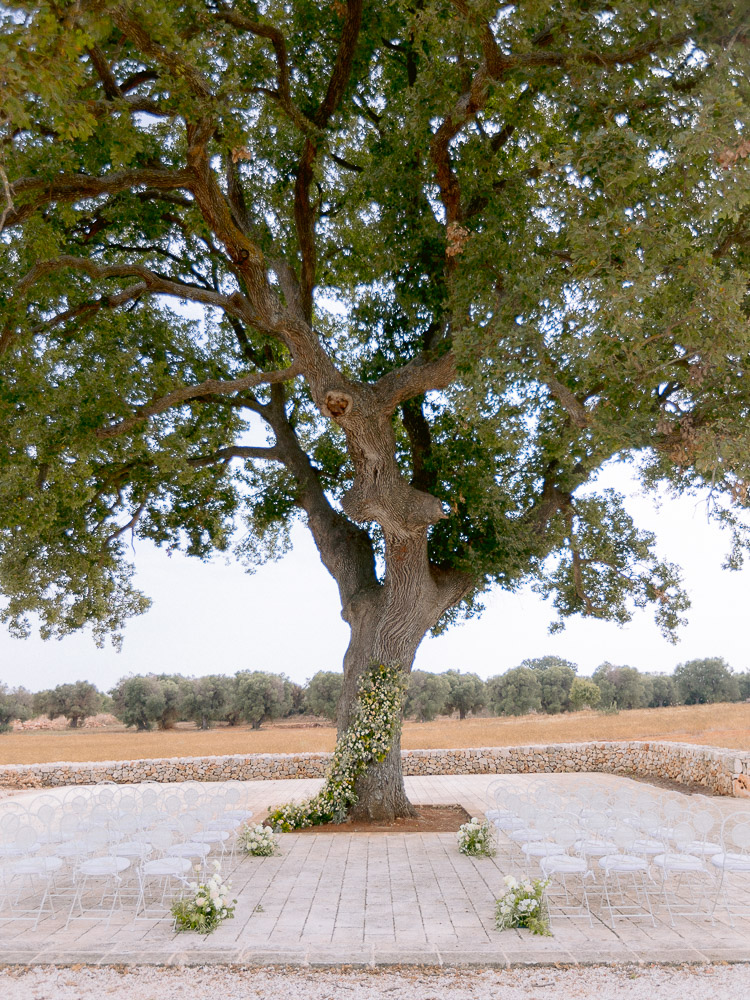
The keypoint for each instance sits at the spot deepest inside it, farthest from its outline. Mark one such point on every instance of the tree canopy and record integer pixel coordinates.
(414, 271)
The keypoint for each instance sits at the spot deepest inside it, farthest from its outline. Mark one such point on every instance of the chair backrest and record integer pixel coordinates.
(26, 838)
(735, 833)
(9, 824)
(565, 834)
(160, 839)
(704, 822)
(683, 834)
(97, 839)
(173, 805)
(596, 823)
(624, 837)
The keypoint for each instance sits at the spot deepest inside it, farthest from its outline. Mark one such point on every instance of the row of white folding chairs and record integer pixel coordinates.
(30, 883)
(574, 844)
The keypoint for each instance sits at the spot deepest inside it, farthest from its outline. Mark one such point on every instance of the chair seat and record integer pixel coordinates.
(226, 822)
(37, 866)
(563, 864)
(104, 866)
(678, 862)
(595, 848)
(190, 849)
(167, 866)
(133, 849)
(240, 814)
(648, 845)
(703, 848)
(11, 851)
(731, 862)
(210, 836)
(541, 849)
(506, 823)
(524, 835)
(75, 848)
(623, 863)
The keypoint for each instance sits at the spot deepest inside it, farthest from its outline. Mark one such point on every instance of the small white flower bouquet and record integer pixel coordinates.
(476, 839)
(206, 907)
(258, 840)
(523, 905)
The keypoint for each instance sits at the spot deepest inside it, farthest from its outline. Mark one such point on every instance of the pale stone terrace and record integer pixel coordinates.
(359, 898)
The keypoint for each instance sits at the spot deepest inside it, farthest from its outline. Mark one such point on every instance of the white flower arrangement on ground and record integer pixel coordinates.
(476, 839)
(258, 840)
(206, 907)
(523, 905)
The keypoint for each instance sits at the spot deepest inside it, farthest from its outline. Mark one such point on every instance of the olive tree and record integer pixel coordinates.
(701, 682)
(466, 693)
(322, 693)
(584, 693)
(141, 701)
(516, 692)
(427, 695)
(260, 696)
(452, 257)
(15, 703)
(556, 677)
(620, 686)
(74, 701)
(203, 699)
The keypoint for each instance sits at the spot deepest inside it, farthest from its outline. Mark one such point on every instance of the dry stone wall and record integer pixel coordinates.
(725, 772)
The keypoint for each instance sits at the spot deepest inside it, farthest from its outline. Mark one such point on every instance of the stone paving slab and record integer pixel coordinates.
(374, 899)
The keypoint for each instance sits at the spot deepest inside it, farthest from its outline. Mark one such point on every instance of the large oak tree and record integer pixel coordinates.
(452, 257)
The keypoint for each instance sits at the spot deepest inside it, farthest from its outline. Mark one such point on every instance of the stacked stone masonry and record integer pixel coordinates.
(721, 771)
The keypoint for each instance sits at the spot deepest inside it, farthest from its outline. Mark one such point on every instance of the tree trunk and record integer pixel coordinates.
(387, 626)
(381, 795)
(388, 616)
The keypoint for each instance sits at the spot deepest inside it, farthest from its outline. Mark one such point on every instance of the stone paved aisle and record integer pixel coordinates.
(374, 899)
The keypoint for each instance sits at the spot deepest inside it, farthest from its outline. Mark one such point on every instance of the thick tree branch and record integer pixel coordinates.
(420, 440)
(304, 214)
(187, 392)
(342, 68)
(235, 304)
(72, 187)
(235, 451)
(423, 373)
(345, 549)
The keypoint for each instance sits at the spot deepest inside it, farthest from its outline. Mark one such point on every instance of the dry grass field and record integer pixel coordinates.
(715, 725)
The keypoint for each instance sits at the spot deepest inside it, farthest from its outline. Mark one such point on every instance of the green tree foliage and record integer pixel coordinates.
(74, 701)
(556, 677)
(584, 693)
(295, 697)
(15, 703)
(166, 706)
(743, 680)
(322, 693)
(427, 696)
(661, 690)
(260, 696)
(702, 682)
(577, 224)
(516, 692)
(466, 693)
(203, 699)
(141, 701)
(620, 687)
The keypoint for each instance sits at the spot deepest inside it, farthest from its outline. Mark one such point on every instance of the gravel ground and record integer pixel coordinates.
(695, 982)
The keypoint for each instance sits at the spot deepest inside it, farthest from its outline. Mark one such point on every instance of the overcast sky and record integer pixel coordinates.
(214, 618)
